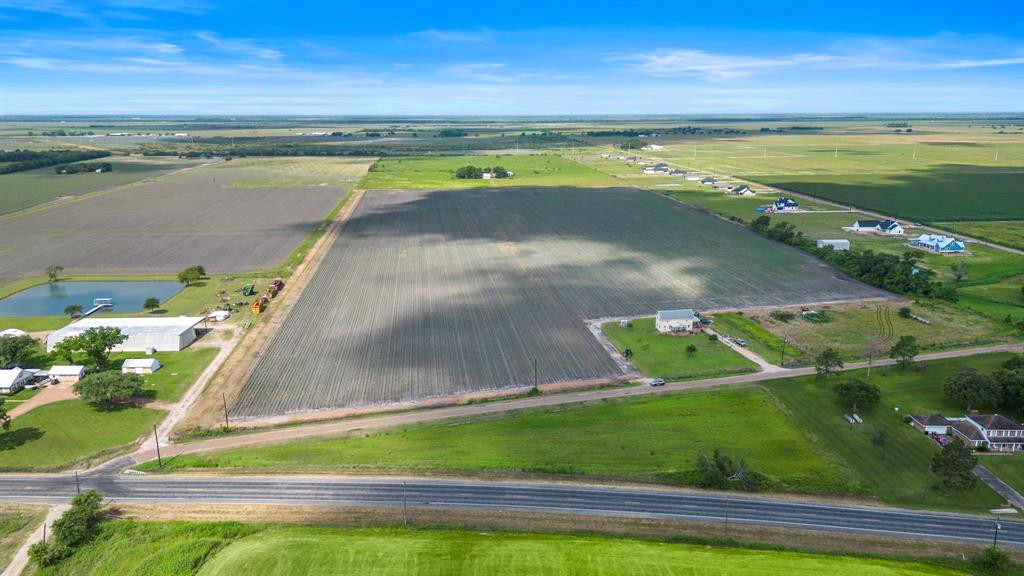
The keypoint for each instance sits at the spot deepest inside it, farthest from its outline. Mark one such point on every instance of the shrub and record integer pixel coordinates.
(992, 560)
(782, 315)
(904, 312)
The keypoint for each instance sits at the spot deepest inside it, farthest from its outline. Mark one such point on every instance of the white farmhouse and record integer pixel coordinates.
(13, 380)
(889, 227)
(675, 320)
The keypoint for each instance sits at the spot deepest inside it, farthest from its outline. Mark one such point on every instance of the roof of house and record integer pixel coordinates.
(969, 430)
(66, 370)
(708, 179)
(669, 315)
(12, 332)
(10, 376)
(786, 202)
(742, 188)
(867, 223)
(996, 422)
(887, 224)
(930, 419)
(938, 241)
(140, 363)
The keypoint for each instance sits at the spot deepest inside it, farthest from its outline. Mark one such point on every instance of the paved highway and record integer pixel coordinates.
(518, 496)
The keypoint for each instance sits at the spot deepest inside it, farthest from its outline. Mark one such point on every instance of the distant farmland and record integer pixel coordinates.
(26, 189)
(232, 217)
(440, 292)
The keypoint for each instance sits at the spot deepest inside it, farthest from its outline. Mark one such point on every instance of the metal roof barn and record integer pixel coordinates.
(161, 334)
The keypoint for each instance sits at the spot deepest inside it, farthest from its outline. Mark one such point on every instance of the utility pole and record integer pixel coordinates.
(224, 401)
(836, 153)
(995, 533)
(405, 506)
(782, 360)
(535, 374)
(159, 460)
(78, 487)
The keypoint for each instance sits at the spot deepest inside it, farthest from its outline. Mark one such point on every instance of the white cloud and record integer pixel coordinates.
(667, 63)
(244, 46)
(496, 72)
(477, 35)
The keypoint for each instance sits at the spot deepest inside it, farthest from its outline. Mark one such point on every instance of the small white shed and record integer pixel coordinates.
(140, 366)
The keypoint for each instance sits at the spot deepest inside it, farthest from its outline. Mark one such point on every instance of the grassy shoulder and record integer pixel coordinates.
(58, 435)
(227, 548)
(898, 473)
(655, 439)
(17, 521)
(665, 355)
(438, 172)
(1010, 469)
(764, 343)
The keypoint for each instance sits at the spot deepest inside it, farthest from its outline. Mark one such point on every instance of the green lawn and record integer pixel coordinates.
(664, 355)
(900, 474)
(59, 435)
(1010, 469)
(30, 188)
(1005, 232)
(649, 438)
(428, 172)
(227, 549)
(178, 370)
(760, 341)
(17, 521)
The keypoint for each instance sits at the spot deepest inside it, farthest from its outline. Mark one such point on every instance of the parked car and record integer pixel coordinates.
(741, 342)
(657, 382)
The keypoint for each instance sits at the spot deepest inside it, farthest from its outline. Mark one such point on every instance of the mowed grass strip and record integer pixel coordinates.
(57, 435)
(900, 473)
(425, 173)
(665, 355)
(230, 548)
(760, 341)
(383, 552)
(1010, 469)
(650, 439)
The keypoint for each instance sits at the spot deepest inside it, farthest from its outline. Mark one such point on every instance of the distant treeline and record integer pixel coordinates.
(21, 160)
(259, 147)
(635, 132)
(83, 167)
(899, 274)
(63, 133)
(897, 125)
(792, 129)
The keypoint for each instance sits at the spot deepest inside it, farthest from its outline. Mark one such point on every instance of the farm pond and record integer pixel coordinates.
(52, 299)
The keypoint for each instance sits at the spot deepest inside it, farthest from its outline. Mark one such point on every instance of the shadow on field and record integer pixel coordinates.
(19, 436)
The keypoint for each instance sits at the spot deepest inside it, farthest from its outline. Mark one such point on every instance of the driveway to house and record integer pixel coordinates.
(766, 366)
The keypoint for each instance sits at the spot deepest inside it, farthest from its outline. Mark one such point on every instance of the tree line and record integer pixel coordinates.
(83, 167)
(899, 274)
(21, 160)
(471, 172)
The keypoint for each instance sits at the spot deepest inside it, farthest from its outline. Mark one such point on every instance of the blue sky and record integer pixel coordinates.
(262, 57)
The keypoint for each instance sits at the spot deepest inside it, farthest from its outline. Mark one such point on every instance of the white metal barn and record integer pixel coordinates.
(13, 380)
(140, 366)
(675, 320)
(160, 334)
(66, 373)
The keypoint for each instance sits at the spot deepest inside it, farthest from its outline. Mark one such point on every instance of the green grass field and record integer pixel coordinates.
(919, 176)
(664, 355)
(1005, 232)
(853, 328)
(227, 549)
(899, 475)
(17, 521)
(437, 172)
(33, 187)
(649, 439)
(762, 342)
(55, 436)
(178, 370)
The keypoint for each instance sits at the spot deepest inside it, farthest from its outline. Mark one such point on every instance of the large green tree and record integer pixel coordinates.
(904, 351)
(53, 273)
(857, 393)
(109, 388)
(954, 465)
(72, 310)
(973, 389)
(5, 419)
(96, 343)
(827, 362)
(15, 350)
(74, 528)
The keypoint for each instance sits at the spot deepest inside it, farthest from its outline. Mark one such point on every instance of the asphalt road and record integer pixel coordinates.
(519, 496)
